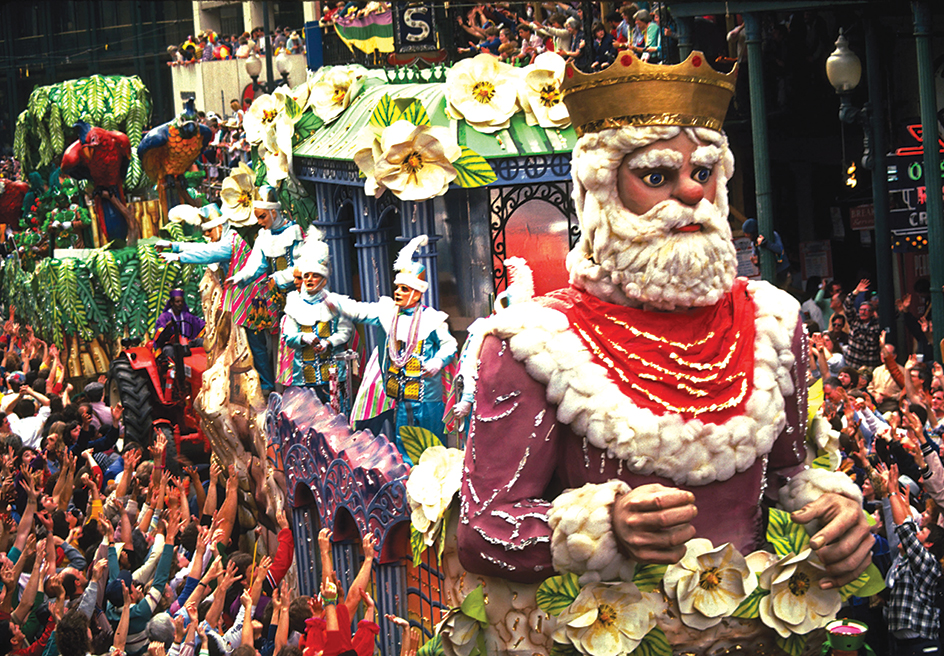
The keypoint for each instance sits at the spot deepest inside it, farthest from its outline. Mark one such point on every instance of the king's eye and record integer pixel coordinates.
(654, 179)
(701, 175)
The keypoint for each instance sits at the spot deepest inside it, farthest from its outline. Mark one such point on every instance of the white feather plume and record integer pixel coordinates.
(405, 257)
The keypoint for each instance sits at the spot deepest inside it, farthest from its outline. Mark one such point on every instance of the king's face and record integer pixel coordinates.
(675, 169)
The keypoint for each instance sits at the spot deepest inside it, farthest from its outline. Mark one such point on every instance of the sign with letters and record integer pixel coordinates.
(908, 187)
(414, 27)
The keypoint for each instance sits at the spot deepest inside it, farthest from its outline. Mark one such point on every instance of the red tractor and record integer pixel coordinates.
(156, 396)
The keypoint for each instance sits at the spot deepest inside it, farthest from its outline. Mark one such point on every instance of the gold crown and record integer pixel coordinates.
(635, 93)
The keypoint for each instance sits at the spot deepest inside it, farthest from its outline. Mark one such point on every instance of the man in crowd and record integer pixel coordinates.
(864, 349)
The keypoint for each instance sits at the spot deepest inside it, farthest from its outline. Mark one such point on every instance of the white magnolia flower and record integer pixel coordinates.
(483, 91)
(412, 161)
(433, 482)
(607, 619)
(278, 163)
(237, 196)
(300, 94)
(709, 582)
(796, 603)
(259, 122)
(458, 632)
(334, 89)
(540, 95)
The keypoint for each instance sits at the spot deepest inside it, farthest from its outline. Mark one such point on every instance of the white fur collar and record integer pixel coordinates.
(307, 311)
(277, 245)
(687, 452)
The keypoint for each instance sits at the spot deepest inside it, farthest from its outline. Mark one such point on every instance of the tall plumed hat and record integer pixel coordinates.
(631, 92)
(212, 217)
(521, 287)
(410, 273)
(314, 254)
(268, 199)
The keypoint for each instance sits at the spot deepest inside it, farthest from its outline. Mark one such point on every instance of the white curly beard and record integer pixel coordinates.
(638, 260)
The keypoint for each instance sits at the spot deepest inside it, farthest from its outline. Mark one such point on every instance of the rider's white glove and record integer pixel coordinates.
(432, 367)
(462, 409)
(170, 257)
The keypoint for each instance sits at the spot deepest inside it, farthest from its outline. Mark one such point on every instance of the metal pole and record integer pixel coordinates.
(876, 125)
(762, 191)
(932, 165)
(268, 46)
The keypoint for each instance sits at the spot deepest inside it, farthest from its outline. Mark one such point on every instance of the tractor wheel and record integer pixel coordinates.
(133, 389)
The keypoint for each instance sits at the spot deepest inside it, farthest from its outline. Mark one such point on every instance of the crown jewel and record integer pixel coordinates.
(635, 93)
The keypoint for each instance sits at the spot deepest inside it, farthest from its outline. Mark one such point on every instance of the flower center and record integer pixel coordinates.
(550, 95)
(483, 91)
(709, 579)
(413, 163)
(269, 116)
(244, 200)
(338, 96)
(799, 584)
(606, 615)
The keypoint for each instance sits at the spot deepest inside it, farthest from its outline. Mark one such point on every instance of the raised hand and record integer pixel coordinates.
(653, 522)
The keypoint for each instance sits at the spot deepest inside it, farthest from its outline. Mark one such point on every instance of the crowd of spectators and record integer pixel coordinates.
(210, 46)
(518, 38)
(888, 412)
(108, 546)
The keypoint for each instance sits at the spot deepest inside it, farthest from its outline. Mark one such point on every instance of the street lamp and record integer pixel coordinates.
(283, 66)
(254, 68)
(844, 71)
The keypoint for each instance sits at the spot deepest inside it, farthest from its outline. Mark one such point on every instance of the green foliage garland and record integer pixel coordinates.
(113, 102)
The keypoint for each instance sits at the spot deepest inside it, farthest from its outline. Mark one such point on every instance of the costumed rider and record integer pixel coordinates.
(176, 321)
(273, 254)
(417, 344)
(663, 396)
(315, 333)
(229, 250)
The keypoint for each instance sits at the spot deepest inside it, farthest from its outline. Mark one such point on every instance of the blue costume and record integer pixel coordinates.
(417, 344)
(419, 398)
(273, 253)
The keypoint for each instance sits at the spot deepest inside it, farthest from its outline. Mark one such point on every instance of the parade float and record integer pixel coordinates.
(376, 154)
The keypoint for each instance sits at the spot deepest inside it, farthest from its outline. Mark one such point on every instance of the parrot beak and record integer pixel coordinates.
(87, 152)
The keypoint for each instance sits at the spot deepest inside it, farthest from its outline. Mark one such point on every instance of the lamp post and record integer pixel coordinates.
(283, 66)
(844, 71)
(254, 68)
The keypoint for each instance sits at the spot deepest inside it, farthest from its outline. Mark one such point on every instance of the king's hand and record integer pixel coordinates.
(844, 544)
(653, 522)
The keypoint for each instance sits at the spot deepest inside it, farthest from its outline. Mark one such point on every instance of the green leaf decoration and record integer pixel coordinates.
(95, 314)
(158, 298)
(417, 546)
(415, 113)
(557, 593)
(302, 210)
(150, 267)
(175, 231)
(784, 534)
(441, 538)
(97, 99)
(648, 577)
(473, 170)
(560, 649)
(307, 124)
(292, 110)
(433, 647)
(750, 607)
(385, 113)
(654, 644)
(68, 296)
(69, 103)
(793, 645)
(823, 461)
(108, 276)
(474, 605)
(416, 440)
(260, 168)
(869, 583)
(56, 137)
